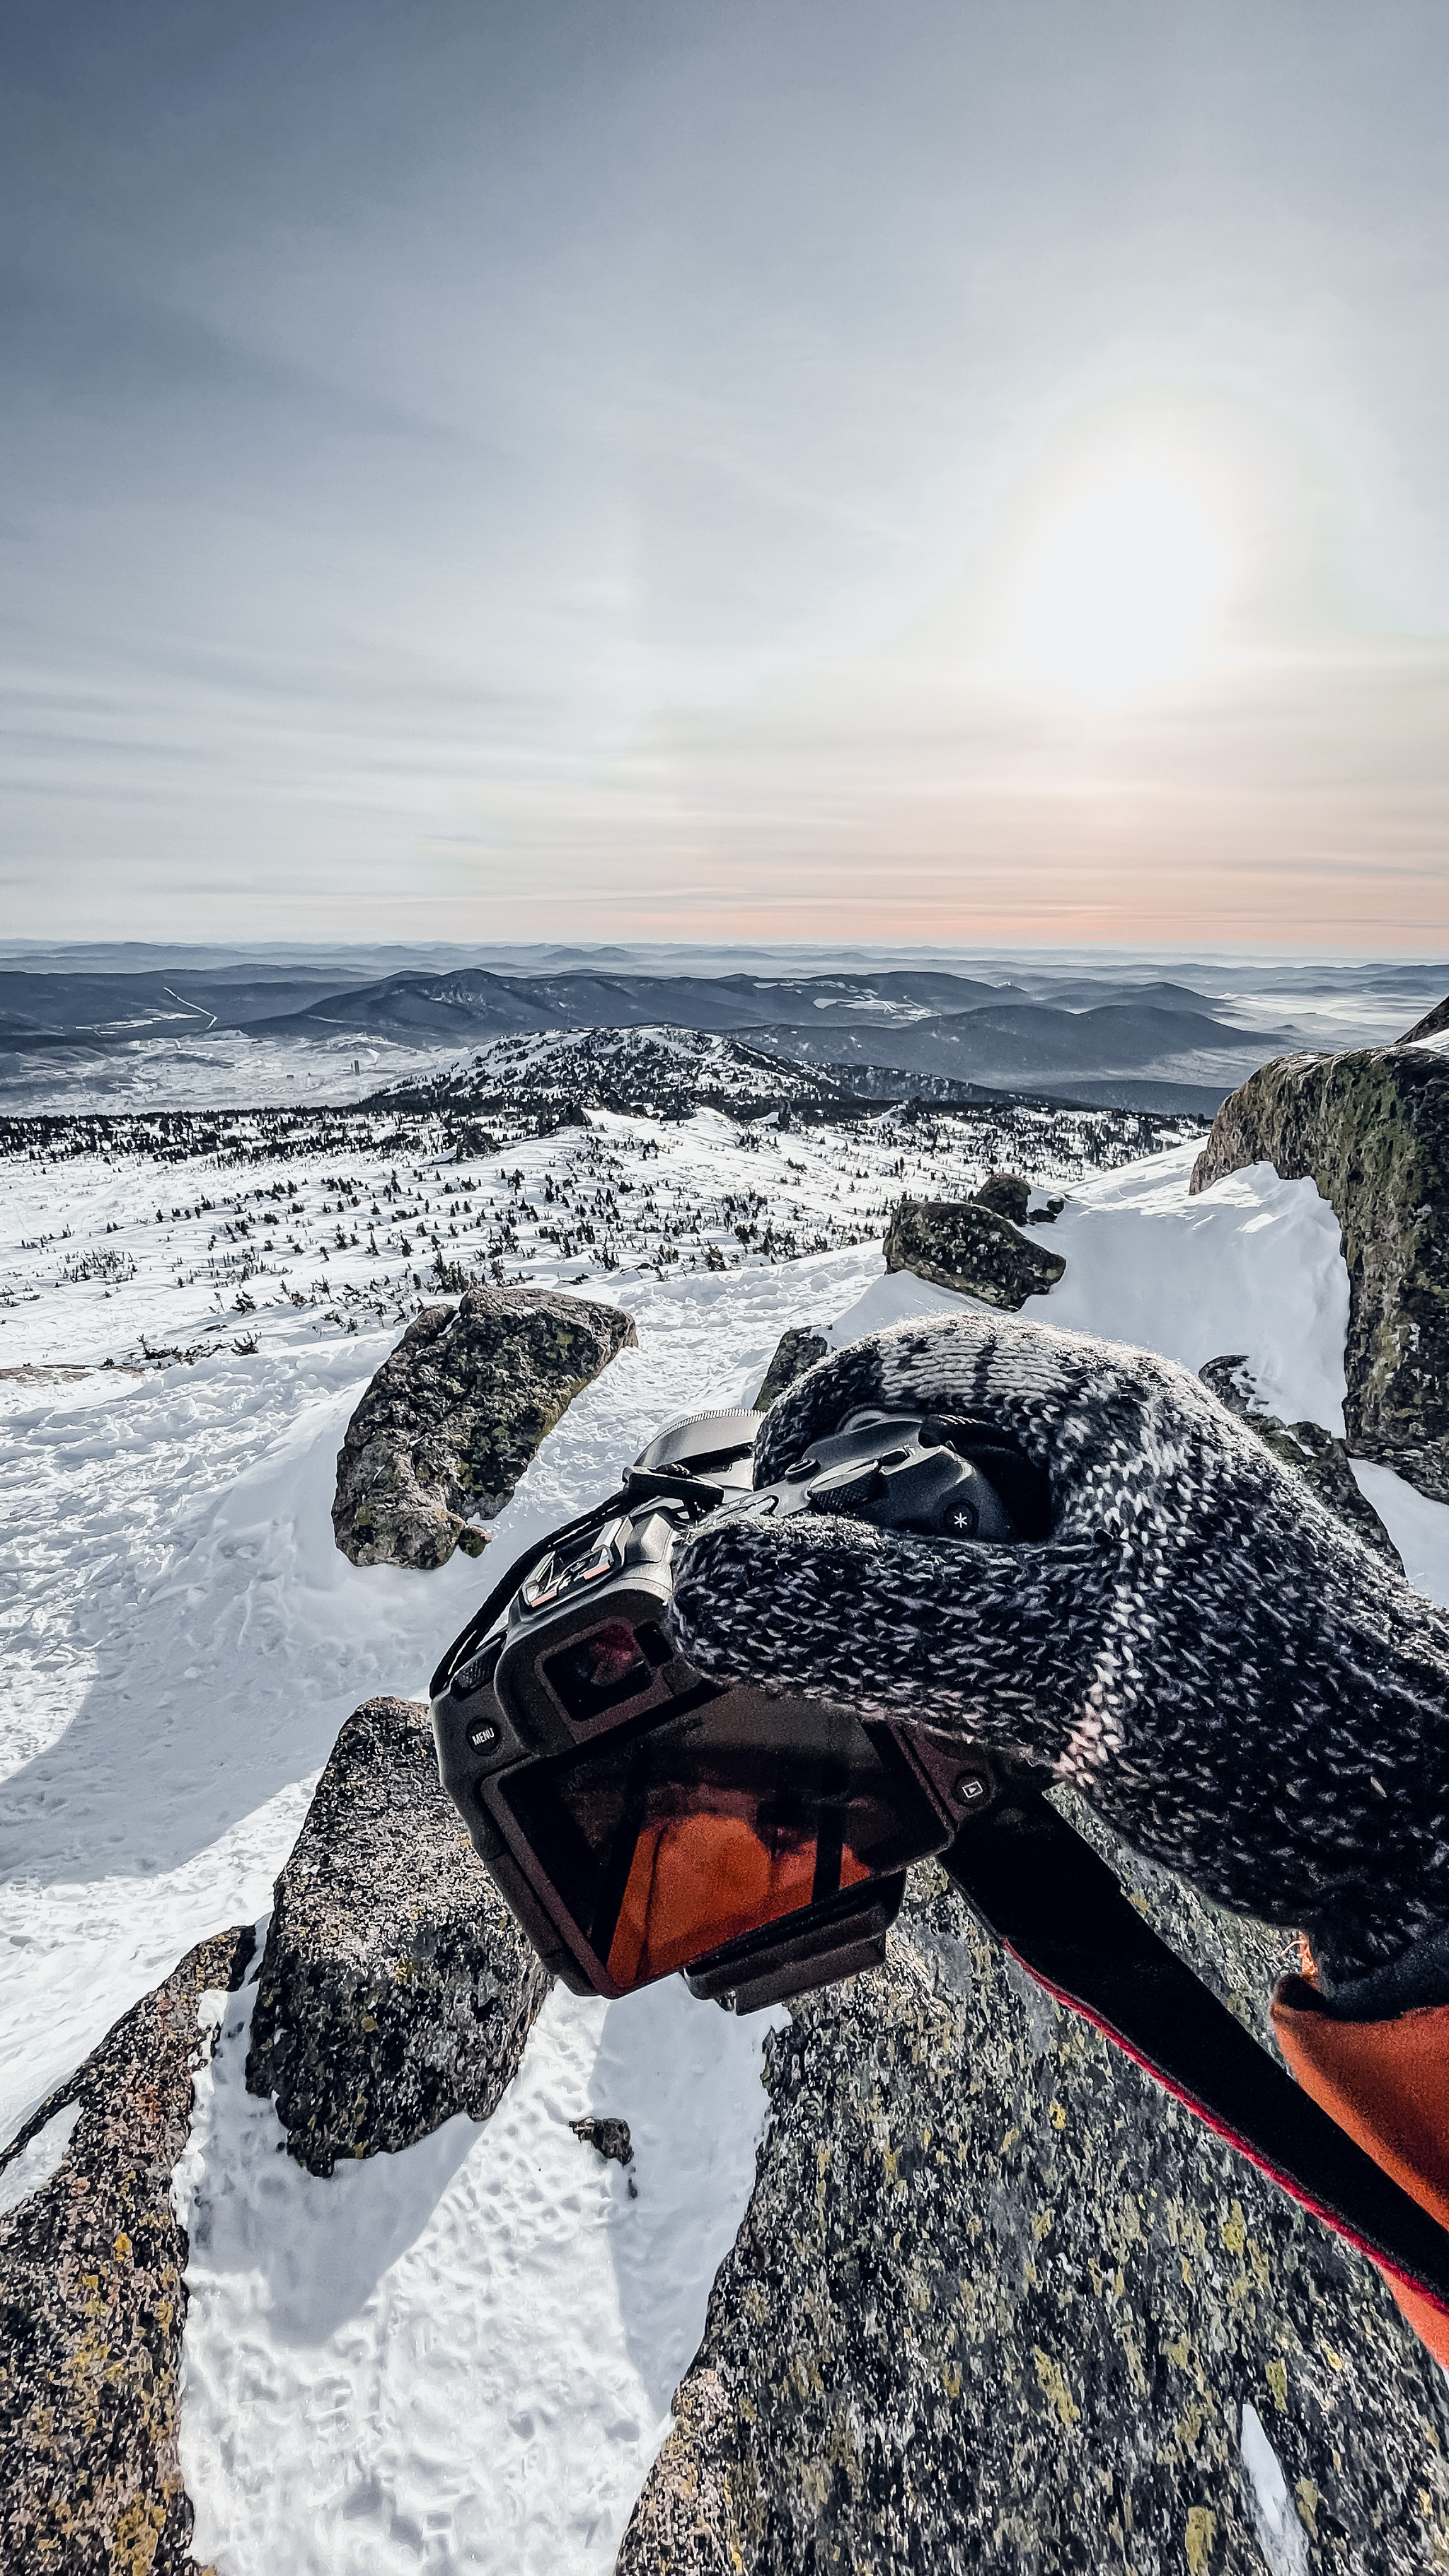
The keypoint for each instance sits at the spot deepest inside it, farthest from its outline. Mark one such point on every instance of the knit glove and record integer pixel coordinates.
(1228, 1675)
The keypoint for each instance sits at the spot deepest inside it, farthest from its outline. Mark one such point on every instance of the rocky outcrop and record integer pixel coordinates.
(999, 2304)
(1371, 1130)
(395, 1987)
(1318, 1458)
(453, 1417)
(799, 1349)
(93, 2297)
(962, 1245)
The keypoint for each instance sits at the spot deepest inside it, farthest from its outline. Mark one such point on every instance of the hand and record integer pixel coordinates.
(1219, 1665)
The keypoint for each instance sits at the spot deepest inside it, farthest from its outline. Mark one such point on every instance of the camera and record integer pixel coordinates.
(642, 1819)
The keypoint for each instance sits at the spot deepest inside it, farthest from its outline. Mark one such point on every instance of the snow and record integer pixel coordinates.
(461, 2356)
(1281, 2536)
(36, 2163)
(1253, 1264)
(1418, 1527)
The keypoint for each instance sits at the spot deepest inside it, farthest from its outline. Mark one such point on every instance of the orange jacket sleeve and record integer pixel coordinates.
(1387, 2084)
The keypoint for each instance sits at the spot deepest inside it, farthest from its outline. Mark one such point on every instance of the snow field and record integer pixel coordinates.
(461, 2356)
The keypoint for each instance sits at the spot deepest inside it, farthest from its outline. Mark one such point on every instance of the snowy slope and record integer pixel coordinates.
(463, 2354)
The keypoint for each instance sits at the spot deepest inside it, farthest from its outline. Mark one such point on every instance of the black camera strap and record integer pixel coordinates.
(1054, 1904)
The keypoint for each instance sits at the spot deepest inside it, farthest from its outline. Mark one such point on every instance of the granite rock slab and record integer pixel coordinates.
(962, 1245)
(93, 2297)
(998, 2304)
(395, 1987)
(453, 1416)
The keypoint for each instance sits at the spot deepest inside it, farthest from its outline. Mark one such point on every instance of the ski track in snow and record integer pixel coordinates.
(461, 2356)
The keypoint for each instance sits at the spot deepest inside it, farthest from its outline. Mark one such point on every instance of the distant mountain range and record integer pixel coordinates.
(1113, 1039)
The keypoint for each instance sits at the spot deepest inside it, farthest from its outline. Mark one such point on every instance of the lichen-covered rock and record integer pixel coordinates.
(800, 1349)
(967, 1247)
(453, 1417)
(93, 2299)
(1371, 1130)
(1319, 1459)
(395, 1986)
(998, 2304)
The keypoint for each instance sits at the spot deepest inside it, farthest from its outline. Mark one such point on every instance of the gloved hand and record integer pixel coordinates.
(1223, 1669)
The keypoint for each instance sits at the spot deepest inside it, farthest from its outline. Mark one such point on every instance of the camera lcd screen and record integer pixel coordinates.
(676, 1838)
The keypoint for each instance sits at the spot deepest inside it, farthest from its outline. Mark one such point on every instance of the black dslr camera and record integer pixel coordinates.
(639, 1818)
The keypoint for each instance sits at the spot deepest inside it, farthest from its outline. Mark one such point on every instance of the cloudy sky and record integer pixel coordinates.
(688, 468)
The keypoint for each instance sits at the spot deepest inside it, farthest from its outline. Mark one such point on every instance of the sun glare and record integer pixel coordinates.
(1123, 587)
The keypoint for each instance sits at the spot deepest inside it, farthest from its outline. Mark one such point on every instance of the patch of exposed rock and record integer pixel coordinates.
(395, 1988)
(968, 1247)
(799, 1349)
(1371, 1130)
(93, 2297)
(453, 1417)
(998, 2303)
(1319, 1459)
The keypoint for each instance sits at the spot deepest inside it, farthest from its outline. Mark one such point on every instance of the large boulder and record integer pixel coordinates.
(395, 1986)
(1371, 1130)
(964, 1246)
(93, 2296)
(453, 1417)
(998, 2303)
(1312, 1452)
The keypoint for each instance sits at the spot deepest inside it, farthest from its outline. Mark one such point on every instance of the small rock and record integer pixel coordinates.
(966, 1247)
(453, 1417)
(609, 2137)
(800, 1349)
(1320, 1460)
(1006, 1194)
(396, 1988)
(93, 2299)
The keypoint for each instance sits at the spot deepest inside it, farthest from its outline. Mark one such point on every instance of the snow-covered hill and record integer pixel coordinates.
(652, 1072)
(460, 2356)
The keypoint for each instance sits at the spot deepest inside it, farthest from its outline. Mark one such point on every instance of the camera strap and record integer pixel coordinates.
(1056, 1907)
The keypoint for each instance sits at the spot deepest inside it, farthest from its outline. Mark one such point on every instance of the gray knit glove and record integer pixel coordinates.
(1224, 1670)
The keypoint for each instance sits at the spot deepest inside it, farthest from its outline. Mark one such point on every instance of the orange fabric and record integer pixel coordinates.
(1387, 2084)
(697, 1881)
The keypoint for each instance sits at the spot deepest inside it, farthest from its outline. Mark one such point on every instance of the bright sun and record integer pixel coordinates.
(1123, 587)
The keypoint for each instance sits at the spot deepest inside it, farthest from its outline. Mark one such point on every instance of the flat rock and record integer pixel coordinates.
(998, 2304)
(396, 1988)
(1318, 1458)
(453, 1417)
(1371, 1130)
(799, 1349)
(93, 2297)
(962, 1245)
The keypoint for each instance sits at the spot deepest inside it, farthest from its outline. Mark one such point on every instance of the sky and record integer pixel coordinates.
(762, 469)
